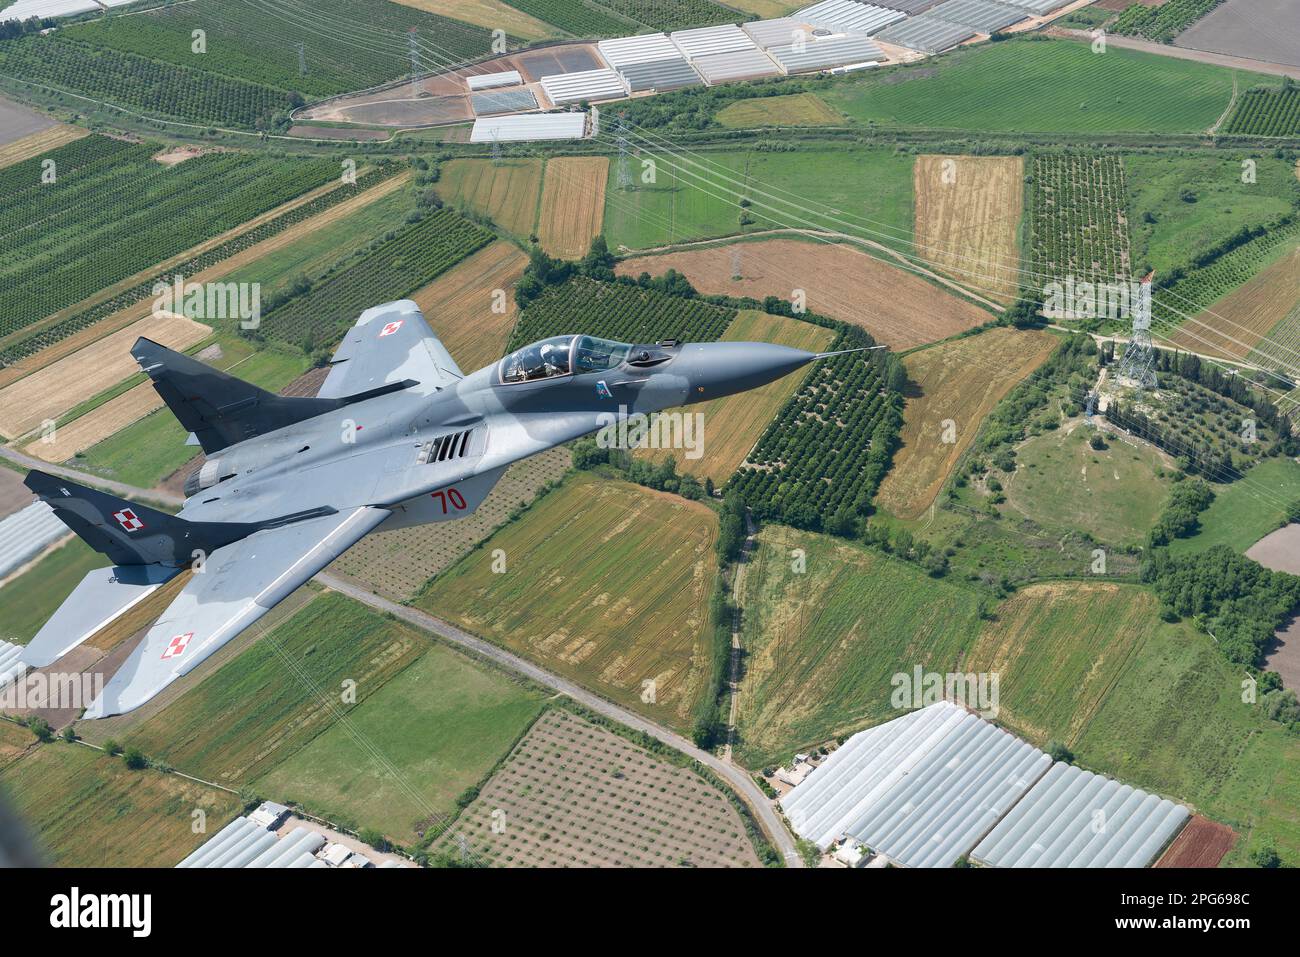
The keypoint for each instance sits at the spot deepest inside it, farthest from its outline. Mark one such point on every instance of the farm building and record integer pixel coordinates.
(921, 789)
(487, 81)
(782, 31)
(642, 49)
(562, 88)
(503, 101)
(26, 533)
(927, 34)
(529, 127)
(827, 54)
(744, 65)
(848, 16)
(658, 76)
(1074, 818)
(985, 16)
(705, 41)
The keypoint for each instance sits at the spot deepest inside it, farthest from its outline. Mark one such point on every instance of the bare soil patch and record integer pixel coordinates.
(1202, 843)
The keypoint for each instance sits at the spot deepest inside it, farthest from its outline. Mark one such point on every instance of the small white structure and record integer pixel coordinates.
(269, 815)
(851, 854)
(335, 855)
(487, 81)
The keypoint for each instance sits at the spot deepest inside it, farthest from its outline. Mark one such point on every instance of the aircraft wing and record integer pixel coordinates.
(238, 584)
(387, 344)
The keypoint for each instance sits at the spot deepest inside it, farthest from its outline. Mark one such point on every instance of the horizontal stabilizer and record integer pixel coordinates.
(103, 596)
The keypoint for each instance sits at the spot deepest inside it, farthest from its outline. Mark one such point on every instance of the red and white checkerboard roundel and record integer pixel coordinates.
(128, 520)
(392, 327)
(176, 647)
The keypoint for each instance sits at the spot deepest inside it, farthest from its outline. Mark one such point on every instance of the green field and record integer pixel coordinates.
(1044, 86)
(821, 646)
(862, 190)
(1114, 494)
(408, 751)
(794, 109)
(147, 451)
(89, 810)
(29, 600)
(1248, 509)
(1181, 205)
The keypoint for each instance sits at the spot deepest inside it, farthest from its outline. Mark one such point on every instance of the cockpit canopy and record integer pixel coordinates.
(562, 355)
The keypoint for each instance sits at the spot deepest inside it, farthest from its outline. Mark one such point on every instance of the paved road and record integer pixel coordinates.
(1183, 53)
(738, 778)
(117, 488)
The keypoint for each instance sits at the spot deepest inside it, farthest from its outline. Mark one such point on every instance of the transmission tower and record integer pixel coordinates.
(1139, 357)
(302, 59)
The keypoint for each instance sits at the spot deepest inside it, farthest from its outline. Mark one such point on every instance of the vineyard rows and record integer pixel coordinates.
(576, 17)
(671, 14)
(96, 226)
(1077, 224)
(1162, 23)
(1267, 112)
(401, 263)
(140, 84)
(144, 290)
(344, 48)
(617, 311)
(823, 456)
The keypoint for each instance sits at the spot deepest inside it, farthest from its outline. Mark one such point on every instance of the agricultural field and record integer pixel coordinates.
(258, 44)
(1114, 494)
(821, 646)
(577, 795)
(28, 600)
(62, 242)
(866, 192)
(1259, 321)
(415, 255)
(461, 305)
(820, 461)
(14, 740)
(1078, 226)
(968, 211)
(607, 584)
(1245, 511)
(397, 564)
(490, 15)
(615, 311)
(1266, 111)
(1202, 843)
(892, 303)
(959, 383)
(573, 205)
(410, 748)
(1044, 86)
(505, 191)
(577, 17)
(1161, 23)
(793, 109)
(96, 425)
(39, 143)
(666, 15)
(1181, 206)
(251, 714)
(90, 810)
(732, 424)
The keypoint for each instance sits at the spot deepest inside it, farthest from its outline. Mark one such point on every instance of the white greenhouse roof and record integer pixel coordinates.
(26, 533)
(782, 31)
(10, 665)
(909, 6)
(1074, 818)
(985, 16)
(827, 54)
(642, 49)
(486, 81)
(921, 789)
(926, 33)
(1038, 7)
(658, 75)
(847, 16)
(25, 9)
(703, 41)
(743, 65)
(562, 88)
(529, 127)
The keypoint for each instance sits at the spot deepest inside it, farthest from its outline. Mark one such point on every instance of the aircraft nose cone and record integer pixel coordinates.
(716, 369)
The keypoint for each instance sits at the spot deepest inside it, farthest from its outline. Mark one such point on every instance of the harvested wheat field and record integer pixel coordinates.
(953, 386)
(573, 205)
(38, 143)
(732, 424)
(506, 191)
(98, 424)
(53, 390)
(897, 307)
(472, 307)
(968, 210)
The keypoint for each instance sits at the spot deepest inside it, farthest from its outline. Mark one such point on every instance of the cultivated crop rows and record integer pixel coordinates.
(1078, 226)
(140, 84)
(1267, 112)
(92, 228)
(830, 446)
(616, 311)
(671, 14)
(402, 262)
(576, 17)
(1162, 23)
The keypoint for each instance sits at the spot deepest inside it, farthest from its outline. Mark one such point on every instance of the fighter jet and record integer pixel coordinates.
(396, 436)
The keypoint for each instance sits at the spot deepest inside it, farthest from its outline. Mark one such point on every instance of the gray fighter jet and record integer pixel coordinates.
(396, 436)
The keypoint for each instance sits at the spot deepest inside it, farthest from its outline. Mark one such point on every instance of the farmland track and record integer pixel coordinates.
(738, 778)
